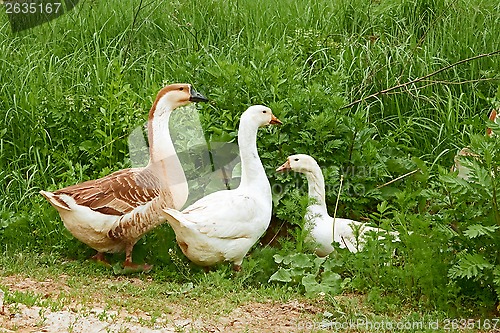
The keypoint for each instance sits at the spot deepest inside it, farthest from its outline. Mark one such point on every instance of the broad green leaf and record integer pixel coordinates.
(311, 285)
(281, 275)
(330, 285)
(330, 264)
(318, 261)
(333, 281)
(331, 278)
(297, 272)
(300, 260)
(278, 258)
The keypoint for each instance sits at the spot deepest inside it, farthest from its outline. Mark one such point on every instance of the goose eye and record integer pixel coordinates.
(296, 160)
(181, 88)
(264, 111)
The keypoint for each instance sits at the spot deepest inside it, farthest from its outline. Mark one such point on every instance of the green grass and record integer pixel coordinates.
(209, 296)
(72, 90)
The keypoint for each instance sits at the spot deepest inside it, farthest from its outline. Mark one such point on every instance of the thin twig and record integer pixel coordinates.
(398, 178)
(276, 234)
(337, 206)
(402, 85)
(136, 14)
(424, 35)
(460, 82)
(194, 35)
(431, 83)
(431, 25)
(434, 82)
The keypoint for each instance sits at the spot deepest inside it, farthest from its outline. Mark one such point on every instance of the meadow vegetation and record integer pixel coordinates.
(72, 91)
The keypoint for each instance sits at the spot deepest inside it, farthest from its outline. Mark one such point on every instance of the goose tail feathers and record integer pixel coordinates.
(55, 200)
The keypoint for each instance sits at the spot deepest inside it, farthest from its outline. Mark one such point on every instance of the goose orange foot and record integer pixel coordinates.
(130, 268)
(136, 267)
(101, 258)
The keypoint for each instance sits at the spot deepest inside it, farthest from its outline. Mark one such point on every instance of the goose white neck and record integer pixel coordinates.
(316, 185)
(163, 158)
(160, 143)
(252, 171)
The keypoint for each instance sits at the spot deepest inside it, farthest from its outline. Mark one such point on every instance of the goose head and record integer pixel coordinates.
(299, 163)
(173, 96)
(259, 115)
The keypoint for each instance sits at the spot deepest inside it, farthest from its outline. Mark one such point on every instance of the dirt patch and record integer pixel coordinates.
(269, 317)
(48, 287)
(254, 317)
(89, 318)
(21, 318)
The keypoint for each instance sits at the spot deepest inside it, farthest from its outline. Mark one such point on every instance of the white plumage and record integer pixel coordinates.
(348, 233)
(224, 225)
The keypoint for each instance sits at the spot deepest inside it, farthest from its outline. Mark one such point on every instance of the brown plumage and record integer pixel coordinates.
(116, 194)
(110, 214)
(493, 116)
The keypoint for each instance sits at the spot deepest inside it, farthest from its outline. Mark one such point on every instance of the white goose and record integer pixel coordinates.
(318, 222)
(224, 225)
(112, 213)
(463, 171)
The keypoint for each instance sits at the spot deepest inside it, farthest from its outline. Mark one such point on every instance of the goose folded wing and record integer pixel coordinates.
(220, 215)
(117, 193)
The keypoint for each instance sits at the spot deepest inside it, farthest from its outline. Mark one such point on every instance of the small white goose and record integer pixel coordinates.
(318, 222)
(112, 213)
(224, 225)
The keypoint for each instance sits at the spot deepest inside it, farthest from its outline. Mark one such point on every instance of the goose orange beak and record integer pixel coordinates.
(275, 121)
(284, 167)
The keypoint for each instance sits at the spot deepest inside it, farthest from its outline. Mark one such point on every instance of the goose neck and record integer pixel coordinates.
(164, 161)
(252, 171)
(160, 143)
(316, 188)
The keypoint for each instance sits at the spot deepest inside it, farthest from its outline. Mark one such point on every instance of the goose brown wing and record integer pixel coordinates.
(117, 193)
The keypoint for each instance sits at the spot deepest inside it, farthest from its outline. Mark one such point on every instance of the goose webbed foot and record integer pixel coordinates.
(101, 258)
(133, 266)
(129, 267)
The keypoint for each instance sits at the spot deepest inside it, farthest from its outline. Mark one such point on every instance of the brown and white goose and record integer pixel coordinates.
(112, 213)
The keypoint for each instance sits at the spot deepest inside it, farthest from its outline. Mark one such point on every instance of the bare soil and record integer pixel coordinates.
(96, 316)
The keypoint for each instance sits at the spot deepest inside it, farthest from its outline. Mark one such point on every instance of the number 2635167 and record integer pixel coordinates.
(27, 7)
(487, 324)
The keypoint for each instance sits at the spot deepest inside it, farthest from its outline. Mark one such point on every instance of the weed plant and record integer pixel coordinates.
(74, 89)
